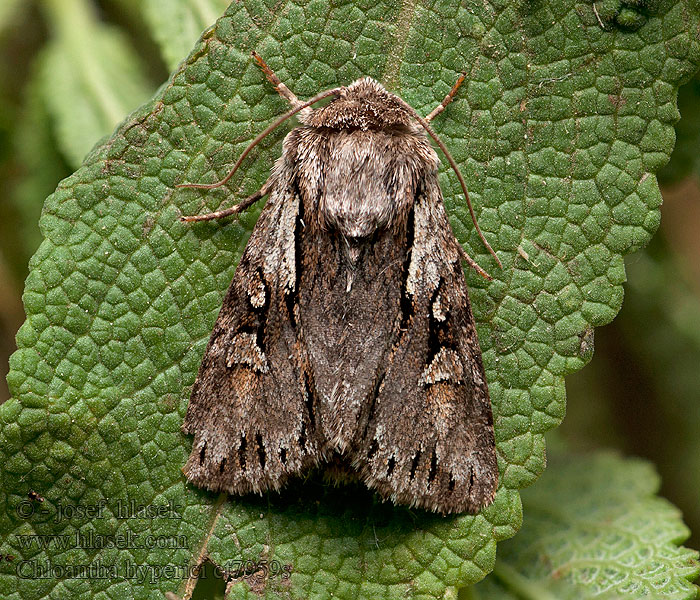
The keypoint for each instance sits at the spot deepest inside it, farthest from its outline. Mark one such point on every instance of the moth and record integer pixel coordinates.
(347, 329)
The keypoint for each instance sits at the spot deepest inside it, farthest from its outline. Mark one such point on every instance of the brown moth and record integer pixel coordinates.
(347, 330)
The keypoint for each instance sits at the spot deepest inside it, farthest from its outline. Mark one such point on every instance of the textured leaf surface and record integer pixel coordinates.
(593, 528)
(559, 131)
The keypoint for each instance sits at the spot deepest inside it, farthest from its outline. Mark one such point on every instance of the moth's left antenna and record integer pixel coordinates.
(259, 138)
(424, 123)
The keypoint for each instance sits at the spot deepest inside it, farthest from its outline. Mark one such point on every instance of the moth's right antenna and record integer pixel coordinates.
(447, 99)
(425, 124)
(282, 89)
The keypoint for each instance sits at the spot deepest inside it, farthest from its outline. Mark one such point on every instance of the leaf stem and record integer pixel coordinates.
(523, 587)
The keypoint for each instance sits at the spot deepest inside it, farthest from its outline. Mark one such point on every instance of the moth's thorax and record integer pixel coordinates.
(364, 104)
(357, 181)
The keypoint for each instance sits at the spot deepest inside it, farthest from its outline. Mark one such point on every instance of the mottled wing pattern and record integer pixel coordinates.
(429, 441)
(352, 254)
(248, 411)
(348, 324)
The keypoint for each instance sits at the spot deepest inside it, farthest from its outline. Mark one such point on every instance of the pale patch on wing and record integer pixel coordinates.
(437, 308)
(445, 366)
(279, 261)
(256, 292)
(244, 350)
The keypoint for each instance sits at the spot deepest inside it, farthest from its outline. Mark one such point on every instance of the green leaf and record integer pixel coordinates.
(558, 131)
(594, 528)
(662, 294)
(41, 167)
(177, 24)
(9, 9)
(91, 77)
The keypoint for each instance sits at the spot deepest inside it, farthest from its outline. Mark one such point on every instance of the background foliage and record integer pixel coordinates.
(605, 534)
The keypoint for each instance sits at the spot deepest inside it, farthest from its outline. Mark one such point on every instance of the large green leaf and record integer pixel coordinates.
(594, 529)
(566, 115)
(654, 404)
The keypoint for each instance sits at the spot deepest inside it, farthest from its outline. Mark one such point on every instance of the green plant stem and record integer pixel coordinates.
(522, 587)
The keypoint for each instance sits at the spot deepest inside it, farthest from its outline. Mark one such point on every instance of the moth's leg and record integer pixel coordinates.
(440, 107)
(470, 261)
(282, 89)
(240, 207)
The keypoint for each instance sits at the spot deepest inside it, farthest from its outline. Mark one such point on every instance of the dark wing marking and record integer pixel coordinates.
(429, 441)
(249, 409)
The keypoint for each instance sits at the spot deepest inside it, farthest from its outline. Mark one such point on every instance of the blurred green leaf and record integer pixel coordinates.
(559, 131)
(668, 349)
(177, 24)
(685, 159)
(91, 78)
(210, 585)
(593, 528)
(641, 394)
(41, 165)
(8, 13)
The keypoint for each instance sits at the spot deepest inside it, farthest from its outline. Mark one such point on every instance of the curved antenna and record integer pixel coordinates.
(259, 138)
(455, 168)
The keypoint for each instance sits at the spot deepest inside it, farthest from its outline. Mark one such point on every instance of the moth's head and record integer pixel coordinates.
(364, 104)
